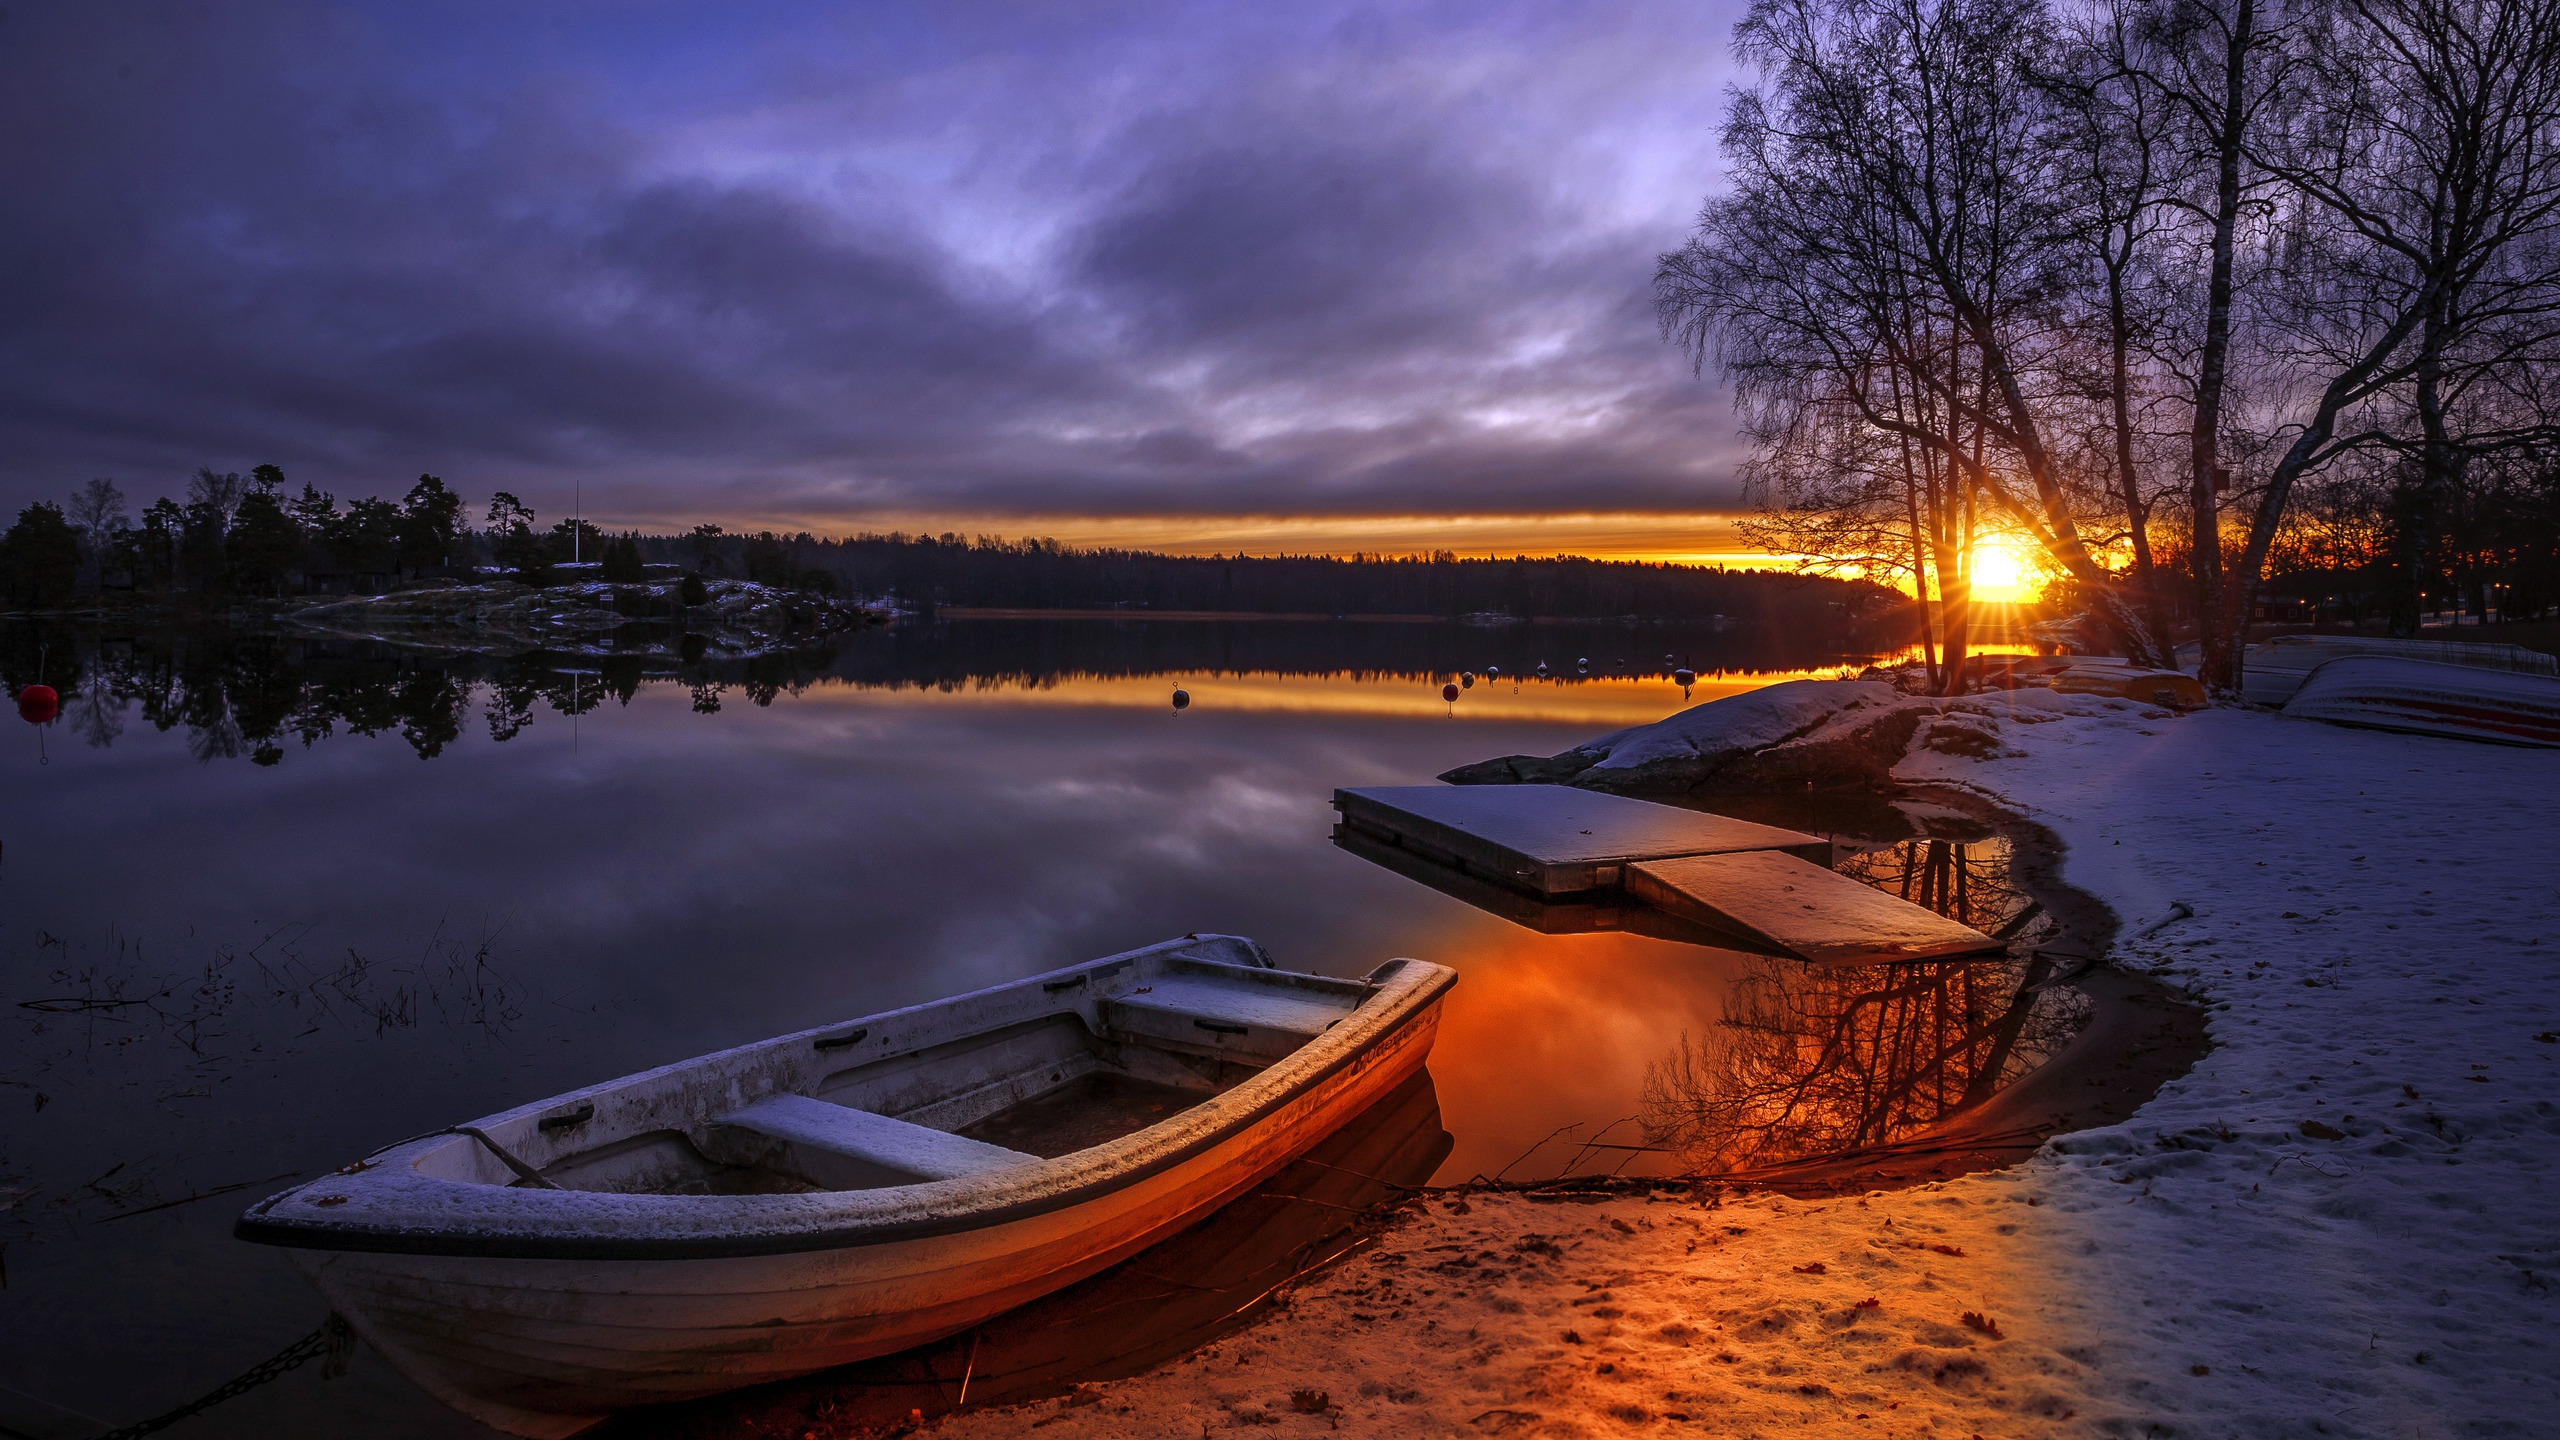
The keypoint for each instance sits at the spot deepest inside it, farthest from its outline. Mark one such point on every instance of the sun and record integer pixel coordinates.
(2003, 572)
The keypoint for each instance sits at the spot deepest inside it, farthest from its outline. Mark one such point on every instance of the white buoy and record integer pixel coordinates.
(1181, 698)
(1684, 677)
(1467, 678)
(1582, 666)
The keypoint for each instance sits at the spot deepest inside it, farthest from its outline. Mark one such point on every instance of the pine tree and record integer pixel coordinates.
(40, 556)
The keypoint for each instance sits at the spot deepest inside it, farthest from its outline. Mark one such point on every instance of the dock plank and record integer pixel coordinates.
(1592, 912)
(1816, 914)
(1552, 839)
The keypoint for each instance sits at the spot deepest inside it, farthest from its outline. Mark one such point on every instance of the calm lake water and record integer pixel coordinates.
(265, 907)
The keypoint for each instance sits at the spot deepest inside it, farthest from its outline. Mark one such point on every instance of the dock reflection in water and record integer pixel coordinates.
(1793, 1062)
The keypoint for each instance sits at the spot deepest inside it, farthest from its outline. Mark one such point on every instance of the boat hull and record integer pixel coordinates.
(547, 1347)
(2422, 697)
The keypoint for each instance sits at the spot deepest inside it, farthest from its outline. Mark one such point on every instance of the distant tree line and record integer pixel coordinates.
(2489, 546)
(984, 572)
(248, 535)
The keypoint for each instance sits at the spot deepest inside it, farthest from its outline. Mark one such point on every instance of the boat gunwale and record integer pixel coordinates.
(1410, 991)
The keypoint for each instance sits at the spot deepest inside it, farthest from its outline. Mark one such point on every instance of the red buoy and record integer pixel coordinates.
(1449, 693)
(38, 704)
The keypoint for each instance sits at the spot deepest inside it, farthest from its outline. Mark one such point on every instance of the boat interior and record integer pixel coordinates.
(964, 1087)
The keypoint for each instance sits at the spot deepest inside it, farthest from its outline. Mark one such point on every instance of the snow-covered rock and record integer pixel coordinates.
(1819, 733)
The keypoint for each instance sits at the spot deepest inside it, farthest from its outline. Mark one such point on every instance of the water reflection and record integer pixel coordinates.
(1811, 1061)
(242, 694)
(251, 695)
(215, 977)
(1798, 1061)
(1969, 880)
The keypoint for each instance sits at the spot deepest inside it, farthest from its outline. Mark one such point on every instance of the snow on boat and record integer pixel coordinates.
(843, 1192)
(2272, 672)
(2427, 697)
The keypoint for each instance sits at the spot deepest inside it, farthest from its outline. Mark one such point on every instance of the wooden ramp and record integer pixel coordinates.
(1553, 839)
(1800, 908)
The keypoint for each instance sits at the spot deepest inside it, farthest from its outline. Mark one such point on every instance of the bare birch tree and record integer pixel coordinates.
(1984, 261)
(1897, 247)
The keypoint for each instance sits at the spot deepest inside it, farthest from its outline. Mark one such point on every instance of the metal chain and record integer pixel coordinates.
(333, 1339)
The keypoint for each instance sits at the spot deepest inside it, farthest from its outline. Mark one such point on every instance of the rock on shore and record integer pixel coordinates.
(739, 616)
(1803, 734)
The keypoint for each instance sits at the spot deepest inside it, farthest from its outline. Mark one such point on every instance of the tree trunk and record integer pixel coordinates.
(2220, 660)
(2414, 534)
(2137, 514)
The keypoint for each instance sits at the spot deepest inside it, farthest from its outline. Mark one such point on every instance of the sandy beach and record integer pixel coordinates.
(2339, 1222)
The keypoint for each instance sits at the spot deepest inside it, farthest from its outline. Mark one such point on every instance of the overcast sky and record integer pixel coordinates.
(824, 263)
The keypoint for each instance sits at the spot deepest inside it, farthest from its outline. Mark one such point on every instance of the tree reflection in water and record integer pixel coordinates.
(252, 695)
(1811, 1061)
(1967, 881)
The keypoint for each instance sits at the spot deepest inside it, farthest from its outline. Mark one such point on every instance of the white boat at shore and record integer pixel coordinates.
(842, 1192)
(2270, 673)
(2427, 697)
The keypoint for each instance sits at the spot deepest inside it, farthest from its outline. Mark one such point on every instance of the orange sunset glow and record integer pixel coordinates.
(1703, 538)
(2005, 570)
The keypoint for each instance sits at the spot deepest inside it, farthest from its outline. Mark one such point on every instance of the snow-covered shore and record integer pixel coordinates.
(2343, 1221)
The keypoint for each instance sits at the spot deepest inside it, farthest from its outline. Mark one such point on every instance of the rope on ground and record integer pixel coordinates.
(333, 1339)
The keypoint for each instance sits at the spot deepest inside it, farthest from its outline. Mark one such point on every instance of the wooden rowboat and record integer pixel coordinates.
(2272, 672)
(843, 1192)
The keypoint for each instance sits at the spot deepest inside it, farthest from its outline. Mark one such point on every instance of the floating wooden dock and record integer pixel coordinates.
(1806, 910)
(1592, 912)
(1561, 861)
(1551, 840)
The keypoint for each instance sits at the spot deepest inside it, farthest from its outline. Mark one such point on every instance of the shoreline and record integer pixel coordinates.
(2139, 1035)
(2270, 1244)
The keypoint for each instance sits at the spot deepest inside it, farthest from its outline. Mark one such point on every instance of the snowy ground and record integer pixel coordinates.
(2343, 1222)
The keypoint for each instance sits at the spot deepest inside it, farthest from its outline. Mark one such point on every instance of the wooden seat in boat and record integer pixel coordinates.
(1208, 1017)
(838, 1147)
